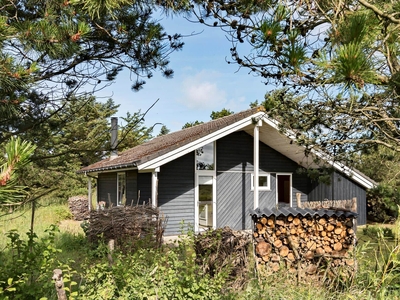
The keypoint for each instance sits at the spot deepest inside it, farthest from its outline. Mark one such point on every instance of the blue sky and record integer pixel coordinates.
(203, 81)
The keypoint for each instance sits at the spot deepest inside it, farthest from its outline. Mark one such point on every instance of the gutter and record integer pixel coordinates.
(122, 166)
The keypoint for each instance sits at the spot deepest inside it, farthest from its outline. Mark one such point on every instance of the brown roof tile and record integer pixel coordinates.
(166, 143)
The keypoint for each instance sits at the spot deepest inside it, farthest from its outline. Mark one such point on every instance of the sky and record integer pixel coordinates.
(203, 81)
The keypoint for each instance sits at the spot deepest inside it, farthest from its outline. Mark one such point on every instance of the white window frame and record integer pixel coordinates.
(290, 190)
(262, 187)
(213, 174)
(119, 201)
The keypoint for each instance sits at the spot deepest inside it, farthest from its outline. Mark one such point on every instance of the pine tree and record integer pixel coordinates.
(335, 65)
(55, 51)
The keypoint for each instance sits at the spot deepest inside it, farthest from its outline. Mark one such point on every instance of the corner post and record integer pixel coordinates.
(256, 158)
(154, 187)
(89, 193)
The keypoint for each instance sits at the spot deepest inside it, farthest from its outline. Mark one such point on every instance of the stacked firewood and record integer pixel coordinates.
(305, 245)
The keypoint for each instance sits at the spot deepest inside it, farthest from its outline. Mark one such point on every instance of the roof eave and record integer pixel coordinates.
(163, 159)
(109, 168)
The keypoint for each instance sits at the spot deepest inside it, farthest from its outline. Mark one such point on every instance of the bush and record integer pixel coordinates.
(26, 266)
(382, 203)
(166, 273)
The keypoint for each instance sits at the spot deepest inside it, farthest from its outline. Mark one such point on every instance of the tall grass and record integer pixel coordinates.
(378, 253)
(45, 216)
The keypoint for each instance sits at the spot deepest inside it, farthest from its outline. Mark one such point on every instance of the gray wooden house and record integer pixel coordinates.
(212, 175)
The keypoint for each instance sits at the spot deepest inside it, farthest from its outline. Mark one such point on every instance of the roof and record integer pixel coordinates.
(139, 155)
(295, 211)
(163, 149)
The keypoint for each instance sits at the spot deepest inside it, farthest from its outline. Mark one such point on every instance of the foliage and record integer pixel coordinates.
(335, 65)
(55, 55)
(191, 124)
(380, 163)
(381, 273)
(78, 135)
(383, 203)
(53, 51)
(164, 130)
(17, 155)
(175, 272)
(27, 265)
(169, 273)
(219, 114)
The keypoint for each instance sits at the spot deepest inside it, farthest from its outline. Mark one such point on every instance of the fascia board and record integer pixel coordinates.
(192, 146)
(338, 166)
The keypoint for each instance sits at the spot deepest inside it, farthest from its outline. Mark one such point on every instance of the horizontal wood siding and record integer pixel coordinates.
(341, 188)
(107, 185)
(144, 187)
(176, 193)
(131, 187)
(234, 167)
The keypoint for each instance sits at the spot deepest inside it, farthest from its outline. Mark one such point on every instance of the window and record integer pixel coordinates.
(121, 196)
(264, 182)
(205, 157)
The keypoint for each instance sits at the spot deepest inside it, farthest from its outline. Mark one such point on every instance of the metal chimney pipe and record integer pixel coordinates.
(114, 138)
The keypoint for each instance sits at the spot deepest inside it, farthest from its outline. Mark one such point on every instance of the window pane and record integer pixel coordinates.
(263, 181)
(205, 157)
(205, 192)
(121, 189)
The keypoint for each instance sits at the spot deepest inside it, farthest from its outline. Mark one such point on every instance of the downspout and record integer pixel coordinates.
(256, 158)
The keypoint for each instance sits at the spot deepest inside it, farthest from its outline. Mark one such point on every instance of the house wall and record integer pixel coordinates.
(176, 193)
(341, 188)
(107, 185)
(144, 187)
(107, 188)
(234, 168)
(131, 187)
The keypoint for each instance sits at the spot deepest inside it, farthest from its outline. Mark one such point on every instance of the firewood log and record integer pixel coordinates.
(283, 251)
(263, 248)
(278, 243)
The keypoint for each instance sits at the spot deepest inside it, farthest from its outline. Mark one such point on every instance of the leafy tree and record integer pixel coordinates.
(335, 63)
(219, 114)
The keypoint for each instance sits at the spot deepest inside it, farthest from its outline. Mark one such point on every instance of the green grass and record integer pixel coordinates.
(375, 243)
(71, 239)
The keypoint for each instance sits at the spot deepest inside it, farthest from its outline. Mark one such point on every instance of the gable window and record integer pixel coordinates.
(264, 182)
(205, 157)
(121, 195)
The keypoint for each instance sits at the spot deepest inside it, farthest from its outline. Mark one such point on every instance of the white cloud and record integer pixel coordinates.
(202, 92)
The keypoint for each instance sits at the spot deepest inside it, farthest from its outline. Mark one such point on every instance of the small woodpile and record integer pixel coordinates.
(127, 226)
(222, 247)
(348, 204)
(78, 205)
(310, 244)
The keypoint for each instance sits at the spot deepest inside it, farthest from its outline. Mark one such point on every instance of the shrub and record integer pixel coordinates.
(382, 203)
(165, 273)
(26, 266)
